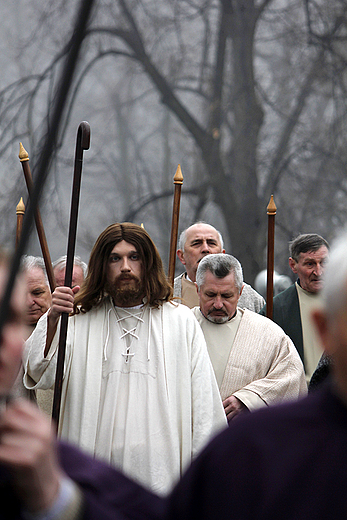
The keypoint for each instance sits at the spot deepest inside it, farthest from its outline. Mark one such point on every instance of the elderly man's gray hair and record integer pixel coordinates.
(220, 265)
(183, 236)
(30, 262)
(61, 264)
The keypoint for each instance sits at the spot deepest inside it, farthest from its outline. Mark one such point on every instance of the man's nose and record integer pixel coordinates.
(205, 247)
(29, 300)
(218, 304)
(125, 265)
(319, 270)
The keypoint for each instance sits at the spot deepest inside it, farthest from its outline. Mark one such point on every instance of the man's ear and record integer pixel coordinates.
(292, 265)
(321, 324)
(197, 288)
(223, 251)
(180, 255)
(242, 288)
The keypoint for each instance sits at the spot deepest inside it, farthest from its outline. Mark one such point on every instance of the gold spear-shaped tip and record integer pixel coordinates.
(178, 178)
(23, 154)
(271, 209)
(143, 227)
(20, 209)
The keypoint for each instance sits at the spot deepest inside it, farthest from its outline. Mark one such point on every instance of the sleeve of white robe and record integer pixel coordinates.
(283, 380)
(207, 408)
(39, 371)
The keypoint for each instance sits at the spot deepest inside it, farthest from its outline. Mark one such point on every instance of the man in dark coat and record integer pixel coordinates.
(292, 307)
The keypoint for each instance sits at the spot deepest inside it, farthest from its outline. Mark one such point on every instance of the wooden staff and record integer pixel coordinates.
(60, 97)
(20, 212)
(24, 159)
(82, 143)
(178, 181)
(271, 211)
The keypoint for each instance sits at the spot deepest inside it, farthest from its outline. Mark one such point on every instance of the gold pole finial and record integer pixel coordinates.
(271, 209)
(23, 154)
(20, 209)
(178, 178)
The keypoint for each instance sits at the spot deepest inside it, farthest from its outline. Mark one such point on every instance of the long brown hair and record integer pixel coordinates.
(156, 286)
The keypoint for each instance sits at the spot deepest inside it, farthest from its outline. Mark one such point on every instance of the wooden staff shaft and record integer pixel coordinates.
(60, 97)
(24, 159)
(271, 212)
(20, 212)
(82, 143)
(178, 181)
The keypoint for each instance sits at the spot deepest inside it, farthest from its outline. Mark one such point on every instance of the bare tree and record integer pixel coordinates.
(247, 93)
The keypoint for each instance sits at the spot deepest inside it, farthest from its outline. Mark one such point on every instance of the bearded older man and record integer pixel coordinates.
(255, 362)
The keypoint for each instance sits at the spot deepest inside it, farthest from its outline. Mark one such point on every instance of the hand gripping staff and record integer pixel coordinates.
(82, 143)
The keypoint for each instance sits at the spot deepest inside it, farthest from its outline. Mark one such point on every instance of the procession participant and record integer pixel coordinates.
(292, 308)
(79, 271)
(290, 460)
(139, 390)
(40, 479)
(39, 296)
(38, 301)
(195, 242)
(255, 362)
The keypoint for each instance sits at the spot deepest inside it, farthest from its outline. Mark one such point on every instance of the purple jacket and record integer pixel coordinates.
(287, 462)
(108, 495)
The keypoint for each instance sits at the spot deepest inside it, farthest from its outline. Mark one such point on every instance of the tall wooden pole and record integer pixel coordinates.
(49, 145)
(271, 212)
(20, 212)
(178, 181)
(82, 143)
(24, 159)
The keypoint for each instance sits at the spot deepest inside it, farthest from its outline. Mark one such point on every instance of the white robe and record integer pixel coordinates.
(263, 366)
(149, 416)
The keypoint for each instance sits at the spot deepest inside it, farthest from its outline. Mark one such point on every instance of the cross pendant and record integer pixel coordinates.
(127, 354)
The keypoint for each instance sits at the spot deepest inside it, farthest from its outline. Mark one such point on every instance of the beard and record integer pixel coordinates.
(217, 319)
(126, 290)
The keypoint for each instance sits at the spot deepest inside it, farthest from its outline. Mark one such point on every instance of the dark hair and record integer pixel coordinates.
(156, 286)
(306, 243)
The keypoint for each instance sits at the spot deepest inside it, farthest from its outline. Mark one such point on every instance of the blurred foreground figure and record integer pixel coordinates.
(139, 390)
(285, 462)
(40, 479)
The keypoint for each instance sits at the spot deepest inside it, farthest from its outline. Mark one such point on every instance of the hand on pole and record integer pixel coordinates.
(62, 301)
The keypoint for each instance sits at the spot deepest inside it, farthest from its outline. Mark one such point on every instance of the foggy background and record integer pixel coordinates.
(249, 97)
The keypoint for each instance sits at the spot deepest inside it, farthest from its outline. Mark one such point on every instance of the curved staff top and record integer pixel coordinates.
(82, 143)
